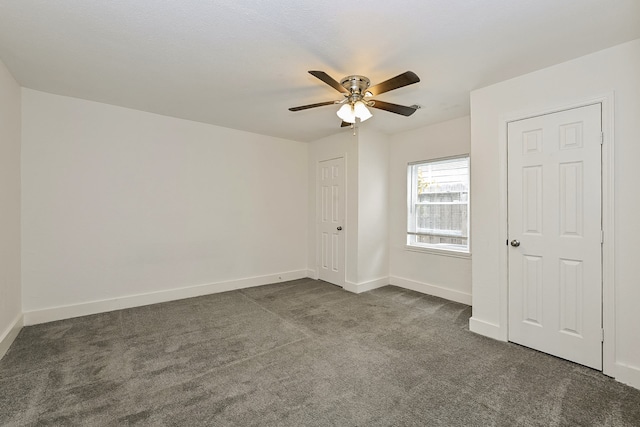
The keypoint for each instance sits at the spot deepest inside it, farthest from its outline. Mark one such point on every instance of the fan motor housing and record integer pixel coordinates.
(355, 84)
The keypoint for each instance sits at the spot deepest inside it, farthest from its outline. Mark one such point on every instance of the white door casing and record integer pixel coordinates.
(554, 213)
(330, 216)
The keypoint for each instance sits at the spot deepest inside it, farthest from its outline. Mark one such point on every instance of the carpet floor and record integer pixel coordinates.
(298, 353)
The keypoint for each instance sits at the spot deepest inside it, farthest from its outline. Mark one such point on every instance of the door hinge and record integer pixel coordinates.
(601, 335)
(601, 138)
(601, 236)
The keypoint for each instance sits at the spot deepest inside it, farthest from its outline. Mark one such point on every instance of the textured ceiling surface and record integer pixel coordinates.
(242, 63)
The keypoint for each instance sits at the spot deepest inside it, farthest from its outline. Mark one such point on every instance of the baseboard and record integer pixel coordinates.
(94, 307)
(312, 274)
(358, 288)
(10, 334)
(627, 374)
(426, 288)
(487, 329)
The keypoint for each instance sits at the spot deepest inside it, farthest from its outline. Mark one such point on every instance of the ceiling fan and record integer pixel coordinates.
(357, 94)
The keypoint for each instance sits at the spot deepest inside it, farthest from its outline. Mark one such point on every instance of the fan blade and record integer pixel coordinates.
(345, 124)
(328, 80)
(306, 107)
(394, 108)
(401, 80)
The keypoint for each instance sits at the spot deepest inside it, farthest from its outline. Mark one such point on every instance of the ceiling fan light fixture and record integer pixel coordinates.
(357, 94)
(347, 114)
(361, 111)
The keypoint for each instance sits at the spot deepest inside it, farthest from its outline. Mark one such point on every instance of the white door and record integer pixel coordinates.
(331, 206)
(555, 263)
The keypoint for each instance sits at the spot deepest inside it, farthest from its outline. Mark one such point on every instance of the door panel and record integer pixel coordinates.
(331, 214)
(532, 199)
(532, 289)
(555, 273)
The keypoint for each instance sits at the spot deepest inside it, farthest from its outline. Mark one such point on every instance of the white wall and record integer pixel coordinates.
(10, 294)
(615, 69)
(373, 208)
(118, 203)
(445, 276)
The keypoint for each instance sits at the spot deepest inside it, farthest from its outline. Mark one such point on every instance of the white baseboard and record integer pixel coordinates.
(426, 288)
(627, 374)
(487, 329)
(312, 274)
(10, 334)
(94, 307)
(358, 288)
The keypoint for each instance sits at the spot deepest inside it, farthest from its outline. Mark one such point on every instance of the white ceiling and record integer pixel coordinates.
(242, 63)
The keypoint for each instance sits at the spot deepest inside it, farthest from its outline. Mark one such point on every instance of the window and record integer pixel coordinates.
(438, 204)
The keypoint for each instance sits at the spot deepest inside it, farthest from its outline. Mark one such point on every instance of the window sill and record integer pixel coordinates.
(441, 252)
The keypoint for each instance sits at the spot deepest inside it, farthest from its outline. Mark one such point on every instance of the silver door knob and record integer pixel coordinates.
(515, 243)
(339, 228)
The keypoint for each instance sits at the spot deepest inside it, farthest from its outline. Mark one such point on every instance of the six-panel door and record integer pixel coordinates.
(331, 220)
(554, 202)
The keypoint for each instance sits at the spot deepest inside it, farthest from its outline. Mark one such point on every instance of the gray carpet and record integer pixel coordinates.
(300, 353)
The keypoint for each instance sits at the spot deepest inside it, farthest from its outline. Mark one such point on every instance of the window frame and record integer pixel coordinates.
(411, 196)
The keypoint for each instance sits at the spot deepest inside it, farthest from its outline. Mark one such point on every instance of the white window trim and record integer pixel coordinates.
(441, 252)
(454, 253)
